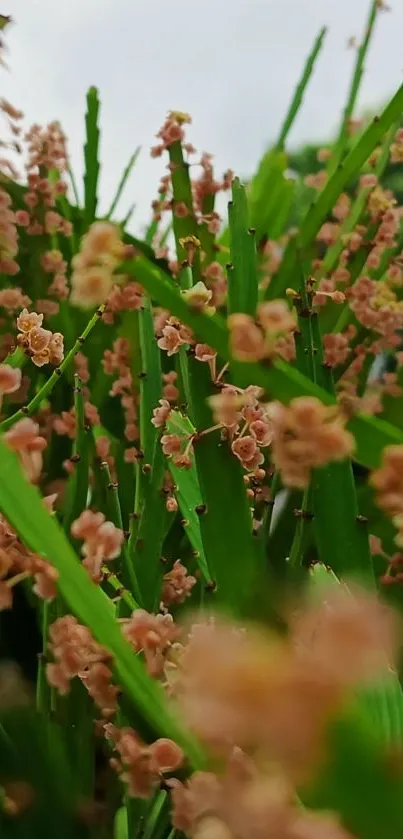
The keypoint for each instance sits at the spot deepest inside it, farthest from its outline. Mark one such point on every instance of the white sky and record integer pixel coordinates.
(232, 64)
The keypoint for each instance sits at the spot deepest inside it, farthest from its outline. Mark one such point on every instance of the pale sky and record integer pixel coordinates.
(232, 64)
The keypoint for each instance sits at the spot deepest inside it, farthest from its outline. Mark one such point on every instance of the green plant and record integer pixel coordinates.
(214, 440)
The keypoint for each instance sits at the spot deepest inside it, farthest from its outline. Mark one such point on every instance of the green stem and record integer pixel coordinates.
(47, 388)
(300, 90)
(342, 139)
(115, 513)
(304, 517)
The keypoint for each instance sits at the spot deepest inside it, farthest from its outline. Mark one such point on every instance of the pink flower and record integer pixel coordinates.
(10, 378)
(177, 585)
(246, 339)
(262, 432)
(152, 635)
(27, 321)
(161, 414)
(171, 444)
(244, 448)
(24, 439)
(170, 340)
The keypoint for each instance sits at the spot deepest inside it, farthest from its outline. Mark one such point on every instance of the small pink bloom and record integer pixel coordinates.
(161, 414)
(171, 504)
(171, 444)
(10, 378)
(27, 321)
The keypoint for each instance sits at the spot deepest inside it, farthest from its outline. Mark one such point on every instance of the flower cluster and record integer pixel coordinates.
(77, 654)
(10, 380)
(177, 585)
(102, 541)
(240, 687)
(24, 439)
(243, 802)
(307, 435)
(44, 346)
(270, 334)
(93, 276)
(152, 635)
(8, 236)
(140, 766)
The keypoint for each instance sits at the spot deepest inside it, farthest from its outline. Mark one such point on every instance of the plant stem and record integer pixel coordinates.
(47, 388)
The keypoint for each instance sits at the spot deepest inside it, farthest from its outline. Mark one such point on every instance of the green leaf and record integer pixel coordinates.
(300, 90)
(242, 275)
(91, 152)
(342, 140)
(77, 486)
(233, 554)
(22, 505)
(188, 493)
(341, 534)
(355, 781)
(146, 545)
(122, 183)
(32, 752)
(183, 226)
(150, 381)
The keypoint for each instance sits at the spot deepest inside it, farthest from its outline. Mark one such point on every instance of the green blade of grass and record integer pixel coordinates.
(77, 487)
(265, 192)
(341, 142)
(300, 90)
(32, 751)
(341, 534)
(74, 187)
(91, 161)
(183, 226)
(242, 275)
(22, 505)
(114, 514)
(188, 494)
(355, 781)
(150, 380)
(122, 183)
(234, 556)
(154, 522)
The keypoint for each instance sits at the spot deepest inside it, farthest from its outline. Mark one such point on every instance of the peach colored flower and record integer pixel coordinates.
(56, 348)
(275, 317)
(161, 414)
(140, 766)
(307, 435)
(245, 449)
(24, 439)
(152, 635)
(262, 432)
(177, 585)
(38, 339)
(28, 320)
(171, 444)
(91, 286)
(246, 338)
(10, 378)
(170, 340)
